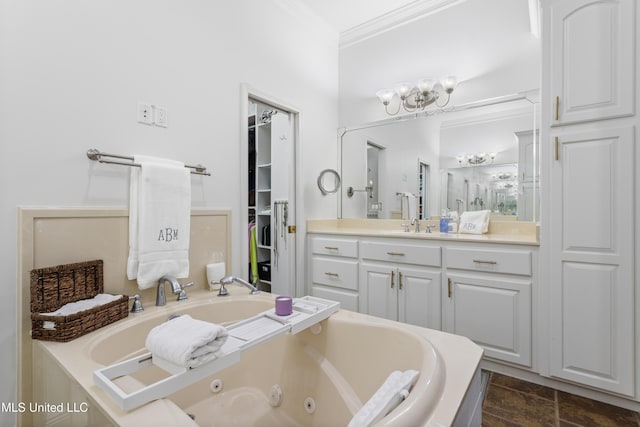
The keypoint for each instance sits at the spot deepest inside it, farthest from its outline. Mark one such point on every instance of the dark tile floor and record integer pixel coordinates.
(510, 402)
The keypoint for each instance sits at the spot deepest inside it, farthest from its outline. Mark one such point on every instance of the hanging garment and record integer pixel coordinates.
(253, 254)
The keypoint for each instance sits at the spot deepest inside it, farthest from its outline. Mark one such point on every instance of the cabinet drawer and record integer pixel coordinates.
(335, 247)
(492, 261)
(401, 253)
(335, 272)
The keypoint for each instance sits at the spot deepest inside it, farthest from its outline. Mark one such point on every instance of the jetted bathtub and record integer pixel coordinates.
(318, 377)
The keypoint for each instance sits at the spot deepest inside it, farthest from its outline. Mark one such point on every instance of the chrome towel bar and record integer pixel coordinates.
(98, 156)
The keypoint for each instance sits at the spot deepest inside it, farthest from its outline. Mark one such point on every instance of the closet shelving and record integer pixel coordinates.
(260, 204)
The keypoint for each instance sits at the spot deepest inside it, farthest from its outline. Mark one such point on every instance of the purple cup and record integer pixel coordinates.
(284, 305)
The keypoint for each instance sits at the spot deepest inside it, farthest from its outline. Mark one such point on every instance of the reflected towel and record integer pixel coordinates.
(394, 390)
(187, 342)
(408, 206)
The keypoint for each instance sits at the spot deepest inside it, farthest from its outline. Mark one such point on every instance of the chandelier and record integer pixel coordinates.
(476, 159)
(414, 97)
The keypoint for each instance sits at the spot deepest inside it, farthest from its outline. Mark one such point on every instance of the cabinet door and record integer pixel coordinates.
(419, 297)
(378, 285)
(592, 260)
(591, 47)
(494, 312)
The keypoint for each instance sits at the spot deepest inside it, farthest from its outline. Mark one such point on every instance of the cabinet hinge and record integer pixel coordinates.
(292, 230)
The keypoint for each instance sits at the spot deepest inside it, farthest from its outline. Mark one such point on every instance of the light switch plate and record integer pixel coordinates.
(145, 114)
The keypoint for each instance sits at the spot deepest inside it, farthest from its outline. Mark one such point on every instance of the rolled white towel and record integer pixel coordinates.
(187, 342)
(82, 305)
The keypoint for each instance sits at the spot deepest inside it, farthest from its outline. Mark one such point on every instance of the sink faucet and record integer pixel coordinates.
(227, 280)
(161, 298)
(416, 222)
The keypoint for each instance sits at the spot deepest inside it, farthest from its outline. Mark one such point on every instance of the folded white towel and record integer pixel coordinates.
(185, 341)
(394, 390)
(82, 305)
(474, 222)
(159, 220)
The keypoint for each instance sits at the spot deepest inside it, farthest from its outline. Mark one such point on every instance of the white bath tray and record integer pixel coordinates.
(307, 311)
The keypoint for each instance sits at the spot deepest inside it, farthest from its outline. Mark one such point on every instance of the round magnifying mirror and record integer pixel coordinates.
(328, 181)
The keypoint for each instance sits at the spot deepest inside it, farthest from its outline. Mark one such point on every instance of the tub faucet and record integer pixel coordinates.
(227, 280)
(161, 298)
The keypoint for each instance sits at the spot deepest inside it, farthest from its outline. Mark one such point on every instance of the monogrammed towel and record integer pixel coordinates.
(159, 220)
(474, 222)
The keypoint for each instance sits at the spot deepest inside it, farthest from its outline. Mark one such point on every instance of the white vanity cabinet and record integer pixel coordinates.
(333, 269)
(488, 299)
(590, 55)
(401, 281)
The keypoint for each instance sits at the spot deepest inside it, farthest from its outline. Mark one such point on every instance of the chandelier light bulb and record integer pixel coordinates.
(404, 89)
(385, 96)
(449, 83)
(425, 85)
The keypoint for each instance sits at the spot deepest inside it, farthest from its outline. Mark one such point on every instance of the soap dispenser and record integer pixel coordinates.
(444, 222)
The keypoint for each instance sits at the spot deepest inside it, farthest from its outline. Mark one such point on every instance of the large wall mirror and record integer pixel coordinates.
(469, 157)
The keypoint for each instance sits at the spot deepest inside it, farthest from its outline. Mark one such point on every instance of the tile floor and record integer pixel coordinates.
(510, 402)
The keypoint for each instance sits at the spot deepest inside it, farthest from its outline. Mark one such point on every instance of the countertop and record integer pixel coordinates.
(506, 232)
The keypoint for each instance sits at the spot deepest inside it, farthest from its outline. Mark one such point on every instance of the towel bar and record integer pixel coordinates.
(98, 156)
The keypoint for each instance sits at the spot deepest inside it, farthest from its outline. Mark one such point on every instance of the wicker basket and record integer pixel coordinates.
(53, 287)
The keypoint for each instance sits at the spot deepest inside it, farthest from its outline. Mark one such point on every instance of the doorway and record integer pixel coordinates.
(268, 195)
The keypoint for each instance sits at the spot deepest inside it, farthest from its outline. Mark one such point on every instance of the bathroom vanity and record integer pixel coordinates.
(478, 286)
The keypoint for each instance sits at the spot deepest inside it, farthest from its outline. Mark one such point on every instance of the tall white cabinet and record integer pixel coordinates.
(589, 156)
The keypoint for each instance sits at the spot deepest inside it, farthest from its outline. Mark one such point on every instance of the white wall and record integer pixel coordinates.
(73, 71)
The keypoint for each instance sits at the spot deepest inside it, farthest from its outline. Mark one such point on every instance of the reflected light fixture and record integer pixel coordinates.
(476, 159)
(414, 97)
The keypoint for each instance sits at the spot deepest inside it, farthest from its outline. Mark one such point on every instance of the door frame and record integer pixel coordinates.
(248, 92)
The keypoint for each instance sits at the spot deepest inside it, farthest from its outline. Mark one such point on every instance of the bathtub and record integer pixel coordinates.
(314, 378)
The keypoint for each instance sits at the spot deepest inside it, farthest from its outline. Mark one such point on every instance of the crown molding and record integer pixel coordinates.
(394, 19)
